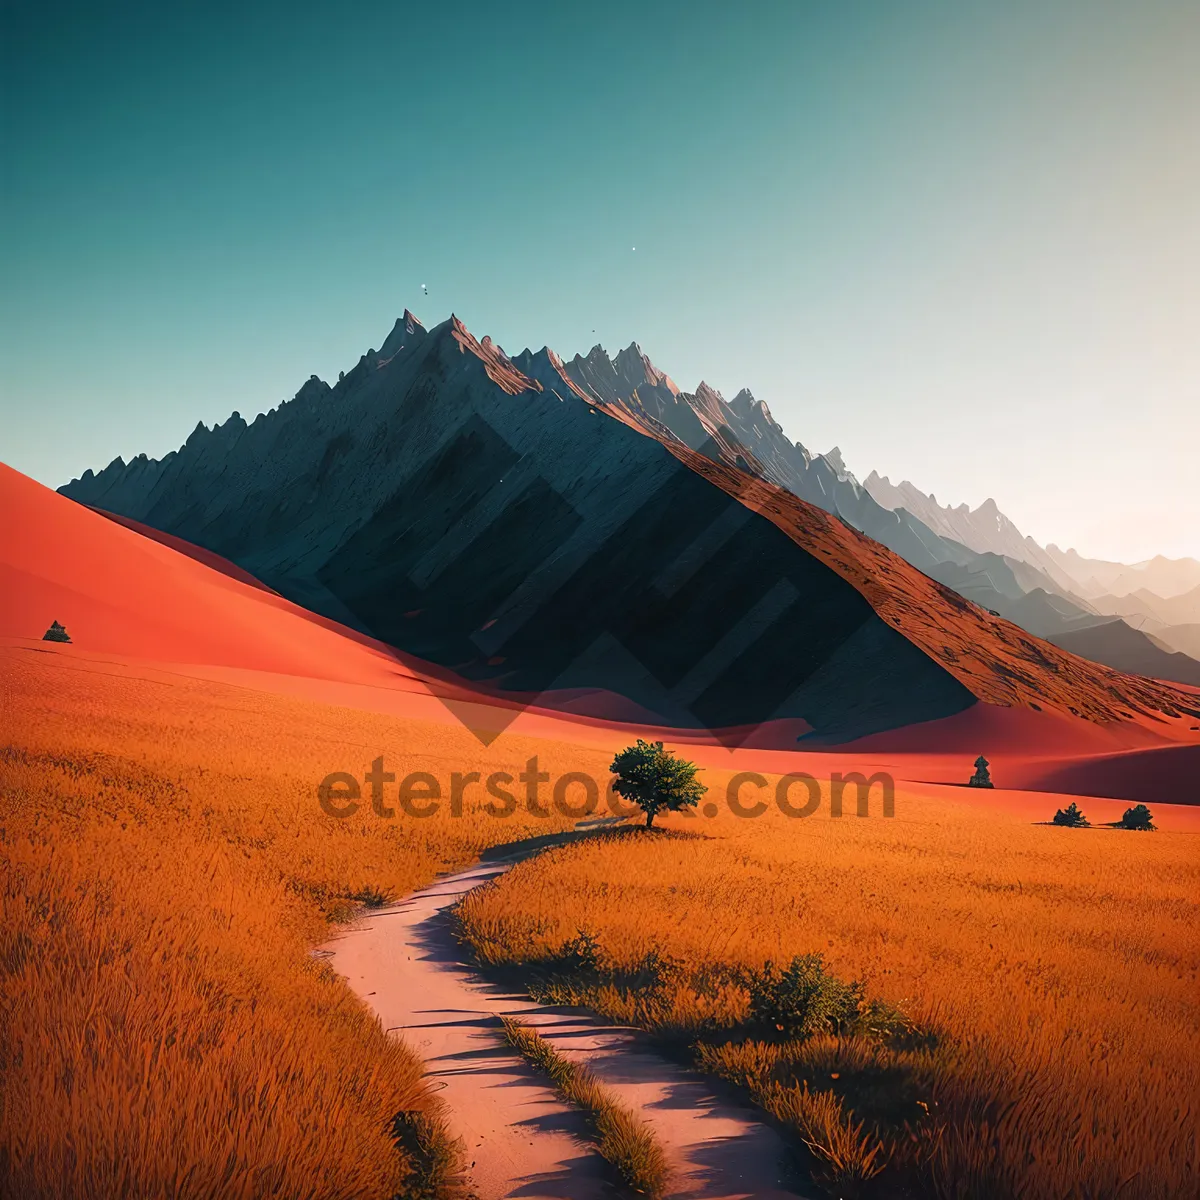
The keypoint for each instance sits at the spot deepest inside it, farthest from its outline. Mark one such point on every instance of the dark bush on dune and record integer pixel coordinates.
(1137, 817)
(1071, 817)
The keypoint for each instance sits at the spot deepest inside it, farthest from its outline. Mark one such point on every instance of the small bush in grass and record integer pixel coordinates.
(1137, 817)
(580, 955)
(890, 1024)
(371, 896)
(802, 998)
(1071, 817)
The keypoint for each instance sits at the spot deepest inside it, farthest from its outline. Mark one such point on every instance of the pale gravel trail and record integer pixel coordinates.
(521, 1140)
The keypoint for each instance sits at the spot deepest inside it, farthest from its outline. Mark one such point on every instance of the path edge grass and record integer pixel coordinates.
(621, 1137)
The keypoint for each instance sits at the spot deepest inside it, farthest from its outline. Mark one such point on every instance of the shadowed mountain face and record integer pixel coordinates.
(980, 553)
(510, 521)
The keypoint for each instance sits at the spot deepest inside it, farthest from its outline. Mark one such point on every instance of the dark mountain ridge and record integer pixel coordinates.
(490, 515)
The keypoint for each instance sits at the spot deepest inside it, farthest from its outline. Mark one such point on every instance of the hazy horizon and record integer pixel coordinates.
(961, 244)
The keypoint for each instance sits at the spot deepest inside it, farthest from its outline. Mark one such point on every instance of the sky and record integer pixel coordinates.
(959, 240)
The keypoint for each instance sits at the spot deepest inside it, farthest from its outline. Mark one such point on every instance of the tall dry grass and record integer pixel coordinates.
(1041, 1034)
(165, 872)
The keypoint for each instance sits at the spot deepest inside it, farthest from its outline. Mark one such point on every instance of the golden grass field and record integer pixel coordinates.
(1059, 969)
(166, 1031)
(166, 870)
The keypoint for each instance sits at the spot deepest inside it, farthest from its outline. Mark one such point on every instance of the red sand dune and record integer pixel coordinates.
(1173, 771)
(1013, 730)
(147, 597)
(207, 557)
(120, 592)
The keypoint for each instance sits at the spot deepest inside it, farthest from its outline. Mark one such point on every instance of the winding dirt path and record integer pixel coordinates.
(521, 1140)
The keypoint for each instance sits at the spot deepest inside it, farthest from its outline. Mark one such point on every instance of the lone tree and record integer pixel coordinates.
(56, 633)
(1137, 817)
(981, 778)
(1071, 817)
(655, 780)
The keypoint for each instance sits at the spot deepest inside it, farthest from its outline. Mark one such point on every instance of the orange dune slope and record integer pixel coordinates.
(120, 592)
(140, 595)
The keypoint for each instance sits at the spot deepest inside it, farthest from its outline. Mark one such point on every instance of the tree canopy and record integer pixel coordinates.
(655, 780)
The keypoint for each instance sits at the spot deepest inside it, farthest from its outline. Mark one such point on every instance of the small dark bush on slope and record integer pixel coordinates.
(1137, 817)
(1071, 817)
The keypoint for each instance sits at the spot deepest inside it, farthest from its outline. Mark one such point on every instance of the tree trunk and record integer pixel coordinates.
(649, 818)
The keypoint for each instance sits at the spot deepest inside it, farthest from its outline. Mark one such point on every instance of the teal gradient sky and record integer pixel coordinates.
(960, 240)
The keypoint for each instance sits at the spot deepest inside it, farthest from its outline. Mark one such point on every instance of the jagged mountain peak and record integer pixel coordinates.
(313, 388)
(596, 356)
(984, 530)
(745, 405)
(834, 459)
(407, 331)
(634, 361)
(499, 367)
(547, 371)
(619, 380)
(545, 354)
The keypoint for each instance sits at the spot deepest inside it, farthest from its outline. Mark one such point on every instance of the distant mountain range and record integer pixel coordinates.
(987, 530)
(1158, 600)
(538, 524)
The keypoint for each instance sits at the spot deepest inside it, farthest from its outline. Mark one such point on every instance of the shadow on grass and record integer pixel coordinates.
(602, 829)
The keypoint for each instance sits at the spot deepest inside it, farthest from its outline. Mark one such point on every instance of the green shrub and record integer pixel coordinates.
(1137, 817)
(1071, 817)
(889, 1024)
(803, 998)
